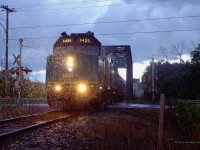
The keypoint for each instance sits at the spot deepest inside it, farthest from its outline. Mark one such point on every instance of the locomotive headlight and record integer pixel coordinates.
(70, 69)
(57, 87)
(70, 63)
(82, 88)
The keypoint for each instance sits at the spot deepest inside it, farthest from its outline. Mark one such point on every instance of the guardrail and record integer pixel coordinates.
(188, 101)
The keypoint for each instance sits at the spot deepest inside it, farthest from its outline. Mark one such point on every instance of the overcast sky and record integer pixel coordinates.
(131, 17)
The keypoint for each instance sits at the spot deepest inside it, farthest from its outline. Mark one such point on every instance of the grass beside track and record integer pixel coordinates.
(135, 129)
(7, 112)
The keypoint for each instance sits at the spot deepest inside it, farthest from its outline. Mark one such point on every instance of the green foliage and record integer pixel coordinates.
(196, 56)
(29, 89)
(192, 75)
(2, 86)
(177, 80)
(183, 117)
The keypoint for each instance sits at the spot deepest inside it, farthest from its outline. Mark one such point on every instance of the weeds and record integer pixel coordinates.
(183, 125)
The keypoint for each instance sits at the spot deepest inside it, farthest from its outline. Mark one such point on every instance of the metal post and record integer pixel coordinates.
(153, 79)
(129, 74)
(6, 63)
(161, 121)
(20, 70)
(8, 10)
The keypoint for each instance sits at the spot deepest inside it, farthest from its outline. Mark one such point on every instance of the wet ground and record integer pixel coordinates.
(113, 129)
(132, 128)
(131, 105)
(13, 110)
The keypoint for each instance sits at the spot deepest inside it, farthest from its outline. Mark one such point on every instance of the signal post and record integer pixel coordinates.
(8, 10)
(20, 70)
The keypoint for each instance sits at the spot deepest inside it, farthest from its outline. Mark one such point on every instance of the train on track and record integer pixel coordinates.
(79, 73)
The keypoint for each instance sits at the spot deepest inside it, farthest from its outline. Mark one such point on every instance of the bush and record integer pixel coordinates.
(183, 117)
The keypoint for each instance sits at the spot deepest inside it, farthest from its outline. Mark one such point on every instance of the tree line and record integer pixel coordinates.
(29, 89)
(179, 79)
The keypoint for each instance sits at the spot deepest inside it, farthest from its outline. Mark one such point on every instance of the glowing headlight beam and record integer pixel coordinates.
(70, 69)
(70, 59)
(82, 88)
(57, 87)
(70, 64)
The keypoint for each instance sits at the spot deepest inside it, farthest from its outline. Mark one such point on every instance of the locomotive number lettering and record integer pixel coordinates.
(68, 75)
(84, 40)
(67, 40)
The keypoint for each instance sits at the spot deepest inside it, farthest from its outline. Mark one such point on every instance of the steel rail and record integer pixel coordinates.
(15, 133)
(4, 121)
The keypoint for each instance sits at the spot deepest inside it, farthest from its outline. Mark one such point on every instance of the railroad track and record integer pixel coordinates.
(15, 119)
(10, 128)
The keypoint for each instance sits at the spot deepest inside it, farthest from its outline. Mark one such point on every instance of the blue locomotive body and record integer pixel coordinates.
(78, 72)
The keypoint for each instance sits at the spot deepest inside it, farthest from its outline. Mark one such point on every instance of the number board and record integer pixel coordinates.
(68, 40)
(84, 40)
(79, 40)
(67, 75)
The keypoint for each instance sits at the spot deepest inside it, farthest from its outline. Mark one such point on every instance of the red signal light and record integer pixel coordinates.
(149, 78)
(156, 78)
(27, 71)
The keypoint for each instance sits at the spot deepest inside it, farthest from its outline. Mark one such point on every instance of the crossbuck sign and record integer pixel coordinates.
(16, 60)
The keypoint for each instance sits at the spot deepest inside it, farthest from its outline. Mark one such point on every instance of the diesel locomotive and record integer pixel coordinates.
(79, 73)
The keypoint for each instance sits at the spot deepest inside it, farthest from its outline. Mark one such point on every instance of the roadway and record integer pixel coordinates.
(114, 105)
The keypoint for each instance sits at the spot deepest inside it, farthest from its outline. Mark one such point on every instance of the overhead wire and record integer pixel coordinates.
(56, 4)
(122, 33)
(110, 5)
(117, 21)
(109, 22)
(150, 32)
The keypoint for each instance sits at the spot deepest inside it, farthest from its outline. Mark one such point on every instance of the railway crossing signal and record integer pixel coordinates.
(19, 70)
(16, 60)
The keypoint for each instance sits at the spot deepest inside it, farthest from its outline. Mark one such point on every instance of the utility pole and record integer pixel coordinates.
(8, 10)
(153, 79)
(20, 69)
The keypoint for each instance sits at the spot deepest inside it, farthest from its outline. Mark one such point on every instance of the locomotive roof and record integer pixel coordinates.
(77, 39)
